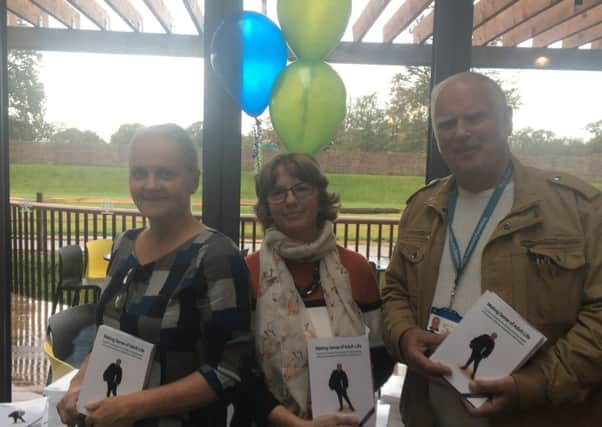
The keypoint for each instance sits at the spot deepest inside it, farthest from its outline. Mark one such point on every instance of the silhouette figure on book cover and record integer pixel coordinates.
(112, 376)
(339, 383)
(481, 347)
(17, 416)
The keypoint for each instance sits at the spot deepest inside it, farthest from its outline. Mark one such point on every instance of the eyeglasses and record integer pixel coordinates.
(301, 191)
(139, 273)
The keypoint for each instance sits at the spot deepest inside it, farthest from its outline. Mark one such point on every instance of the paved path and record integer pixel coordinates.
(28, 332)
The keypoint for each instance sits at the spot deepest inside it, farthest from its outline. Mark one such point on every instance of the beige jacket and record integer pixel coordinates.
(556, 219)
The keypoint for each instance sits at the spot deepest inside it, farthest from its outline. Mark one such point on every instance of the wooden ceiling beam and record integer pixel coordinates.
(424, 29)
(92, 10)
(555, 15)
(29, 12)
(59, 10)
(597, 44)
(11, 19)
(192, 6)
(568, 28)
(487, 9)
(161, 13)
(127, 12)
(367, 18)
(508, 19)
(586, 36)
(483, 11)
(404, 16)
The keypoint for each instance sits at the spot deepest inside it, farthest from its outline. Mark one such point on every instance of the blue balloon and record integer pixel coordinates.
(252, 43)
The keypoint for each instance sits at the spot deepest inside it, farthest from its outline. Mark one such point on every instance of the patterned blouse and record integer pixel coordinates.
(193, 304)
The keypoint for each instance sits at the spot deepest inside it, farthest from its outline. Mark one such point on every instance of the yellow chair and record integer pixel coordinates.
(58, 367)
(96, 264)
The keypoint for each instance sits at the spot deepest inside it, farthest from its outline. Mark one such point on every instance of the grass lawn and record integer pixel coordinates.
(67, 181)
(71, 182)
(100, 182)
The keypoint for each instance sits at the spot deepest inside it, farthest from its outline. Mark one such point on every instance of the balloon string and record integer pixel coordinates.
(257, 145)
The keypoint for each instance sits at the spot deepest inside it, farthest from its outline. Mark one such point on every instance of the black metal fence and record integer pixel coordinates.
(38, 230)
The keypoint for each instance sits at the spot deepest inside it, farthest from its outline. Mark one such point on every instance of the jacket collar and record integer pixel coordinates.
(525, 210)
(526, 196)
(438, 201)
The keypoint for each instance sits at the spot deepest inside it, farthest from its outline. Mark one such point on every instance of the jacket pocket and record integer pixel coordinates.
(566, 253)
(555, 274)
(412, 245)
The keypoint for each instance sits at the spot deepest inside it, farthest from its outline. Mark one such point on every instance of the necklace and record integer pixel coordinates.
(313, 285)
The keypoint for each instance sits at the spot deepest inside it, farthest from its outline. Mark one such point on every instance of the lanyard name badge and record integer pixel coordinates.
(445, 319)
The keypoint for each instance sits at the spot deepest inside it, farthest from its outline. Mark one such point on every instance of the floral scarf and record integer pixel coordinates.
(282, 324)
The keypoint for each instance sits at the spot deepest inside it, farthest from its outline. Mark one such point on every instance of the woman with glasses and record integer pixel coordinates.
(306, 286)
(179, 285)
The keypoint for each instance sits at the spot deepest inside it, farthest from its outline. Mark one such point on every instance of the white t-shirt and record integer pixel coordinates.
(448, 408)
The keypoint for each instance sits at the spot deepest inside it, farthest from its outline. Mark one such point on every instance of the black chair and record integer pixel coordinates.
(70, 336)
(71, 271)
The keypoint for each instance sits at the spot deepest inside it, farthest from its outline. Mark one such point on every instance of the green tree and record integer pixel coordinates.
(595, 143)
(366, 127)
(76, 136)
(540, 141)
(576, 146)
(532, 141)
(408, 108)
(508, 87)
(195, 131)
(125, 133)
(595, 128)
(26, 98)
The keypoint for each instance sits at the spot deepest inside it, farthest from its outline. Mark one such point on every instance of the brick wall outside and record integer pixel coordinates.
(71, 154)
(586, 167)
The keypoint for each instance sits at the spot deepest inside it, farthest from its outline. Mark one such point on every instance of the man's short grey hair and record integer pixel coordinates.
(498, 97)
(175, 133)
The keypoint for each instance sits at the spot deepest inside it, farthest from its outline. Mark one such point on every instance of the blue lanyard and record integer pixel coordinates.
(460, 262)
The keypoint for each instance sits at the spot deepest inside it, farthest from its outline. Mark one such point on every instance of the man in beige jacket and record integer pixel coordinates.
(531, 236)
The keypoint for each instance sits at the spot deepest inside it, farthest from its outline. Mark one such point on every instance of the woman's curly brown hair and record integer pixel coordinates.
(307, 169)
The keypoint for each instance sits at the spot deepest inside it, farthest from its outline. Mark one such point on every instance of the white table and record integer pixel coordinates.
(54, 392)
(24, 412)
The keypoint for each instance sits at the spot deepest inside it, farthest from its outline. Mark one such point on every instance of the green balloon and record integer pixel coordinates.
(313, 28)
(307, 106)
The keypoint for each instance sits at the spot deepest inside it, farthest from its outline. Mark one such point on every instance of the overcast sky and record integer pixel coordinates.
(99, 92)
